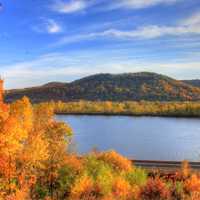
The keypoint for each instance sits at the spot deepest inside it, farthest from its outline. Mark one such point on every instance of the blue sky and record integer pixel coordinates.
(62, 40)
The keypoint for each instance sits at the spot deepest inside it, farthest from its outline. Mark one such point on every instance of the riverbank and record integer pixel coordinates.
(165, 166)
(130, 108)
(127, 114)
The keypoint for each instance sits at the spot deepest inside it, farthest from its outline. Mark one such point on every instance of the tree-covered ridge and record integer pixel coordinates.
(195, 82)
(107, 87)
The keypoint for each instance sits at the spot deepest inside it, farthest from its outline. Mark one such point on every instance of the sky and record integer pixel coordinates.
(63, 40)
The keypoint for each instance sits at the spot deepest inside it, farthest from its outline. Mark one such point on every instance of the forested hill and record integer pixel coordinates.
(120, 87)
(195, 82)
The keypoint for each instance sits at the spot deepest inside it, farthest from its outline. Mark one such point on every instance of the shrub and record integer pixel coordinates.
(116, 161)
(155, 189)
(100, 172)
(41, 192)
(73, 162)
(192, 184)
(137, 176)
(84, 189)
(177, 191)
(104, 180)
(185, 169)
(122, 189)
(66, 178)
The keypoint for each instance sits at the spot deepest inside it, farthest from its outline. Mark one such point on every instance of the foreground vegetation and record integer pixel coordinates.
(35, 165)
(178, 109)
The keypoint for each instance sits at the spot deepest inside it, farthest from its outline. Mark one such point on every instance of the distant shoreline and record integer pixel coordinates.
(109, 108)
(128, 115)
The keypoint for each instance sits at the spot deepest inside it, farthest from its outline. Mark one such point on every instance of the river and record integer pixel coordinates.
(151, 138)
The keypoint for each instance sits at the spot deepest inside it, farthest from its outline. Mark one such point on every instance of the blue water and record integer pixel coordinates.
(152, 138)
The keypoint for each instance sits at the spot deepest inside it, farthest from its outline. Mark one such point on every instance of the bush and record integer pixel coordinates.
(116, 161)
(84, 189)
(137, 176)
(185, 169)
(41, 192)
(66, 178)
(192, 184)
(122, 189)
(155, 189)
(100, 172)
(177, 190)
(74, 163)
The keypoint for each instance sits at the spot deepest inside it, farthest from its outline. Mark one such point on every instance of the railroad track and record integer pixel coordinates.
(164, 165)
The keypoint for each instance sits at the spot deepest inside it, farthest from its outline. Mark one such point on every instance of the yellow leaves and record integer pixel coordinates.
(185, 169)
(74, 162)
(60, 128)
(11, 135)
(121, 189)
(35, 151)
(192, 184)
(43, 116)
(56, 135)
(82, 188)
(19, 195)
(32, 145)
(116, 161)
(23, 113)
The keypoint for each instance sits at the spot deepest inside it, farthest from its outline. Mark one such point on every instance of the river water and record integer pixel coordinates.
(151, 138)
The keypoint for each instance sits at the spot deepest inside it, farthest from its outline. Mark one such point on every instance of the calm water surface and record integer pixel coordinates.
(152, 138)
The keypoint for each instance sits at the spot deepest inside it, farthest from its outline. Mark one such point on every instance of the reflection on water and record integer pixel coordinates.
(152, 138)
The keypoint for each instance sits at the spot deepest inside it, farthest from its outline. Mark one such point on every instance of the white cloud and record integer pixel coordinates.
(139, 4)
(146, 32)
(192, 20)
(52, 26)
(70, 6)
(187, 27)
(60, 67)
(48, 26)
(154, 31)
(63, 6)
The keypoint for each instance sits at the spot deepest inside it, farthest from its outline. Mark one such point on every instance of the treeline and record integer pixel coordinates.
(178, 109)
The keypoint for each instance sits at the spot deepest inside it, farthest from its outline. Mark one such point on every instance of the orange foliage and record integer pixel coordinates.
(192, 184)
(185, 169)
(5, 167)
(74, 162)
(116, 161)
(19, 195)
(155, 189)
(83, 189)
(122, 189)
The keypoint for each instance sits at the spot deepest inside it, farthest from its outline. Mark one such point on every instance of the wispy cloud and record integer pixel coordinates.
(192, 20)
(139, 4)
(53, 27)
(60, 67)
(70, 6)
(49, 26)
(187, 27)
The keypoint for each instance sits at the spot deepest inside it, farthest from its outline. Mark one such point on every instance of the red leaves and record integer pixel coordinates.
(155, 189)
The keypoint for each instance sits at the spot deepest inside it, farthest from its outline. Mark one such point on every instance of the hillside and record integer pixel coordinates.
(120, 87)
(195, 82)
